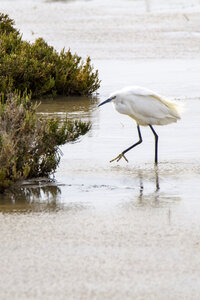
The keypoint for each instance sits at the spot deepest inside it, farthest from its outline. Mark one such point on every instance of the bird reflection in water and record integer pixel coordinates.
(153, 198)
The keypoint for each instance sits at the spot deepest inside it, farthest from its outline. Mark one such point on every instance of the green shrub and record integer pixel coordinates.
(6, 24)
(39, 68)
(29, 145)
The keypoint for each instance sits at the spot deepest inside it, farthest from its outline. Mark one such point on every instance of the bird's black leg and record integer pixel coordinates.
(139, 142)
(122, 154)
(156, 144)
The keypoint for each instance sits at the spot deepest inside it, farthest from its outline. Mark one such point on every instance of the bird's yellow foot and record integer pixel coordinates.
(119, 157)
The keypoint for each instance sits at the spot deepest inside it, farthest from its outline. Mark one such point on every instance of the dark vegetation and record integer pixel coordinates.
(38, 68)
(29, 145)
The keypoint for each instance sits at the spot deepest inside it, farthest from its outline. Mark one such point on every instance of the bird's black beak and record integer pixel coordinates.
(106, 101)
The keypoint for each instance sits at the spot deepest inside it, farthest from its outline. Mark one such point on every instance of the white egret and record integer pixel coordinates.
(147, 108)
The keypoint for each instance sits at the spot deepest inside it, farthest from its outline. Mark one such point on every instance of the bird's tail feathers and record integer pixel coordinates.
(175, 106)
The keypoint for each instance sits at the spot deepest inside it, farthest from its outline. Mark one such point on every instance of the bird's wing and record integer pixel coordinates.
(149, 94)
(149, 109)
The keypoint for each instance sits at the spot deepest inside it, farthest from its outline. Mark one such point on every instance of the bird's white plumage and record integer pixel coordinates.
(145, 106)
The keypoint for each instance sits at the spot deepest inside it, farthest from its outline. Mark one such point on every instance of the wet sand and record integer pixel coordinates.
(101, 230)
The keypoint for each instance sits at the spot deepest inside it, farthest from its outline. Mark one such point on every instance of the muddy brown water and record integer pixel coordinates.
(123, 230)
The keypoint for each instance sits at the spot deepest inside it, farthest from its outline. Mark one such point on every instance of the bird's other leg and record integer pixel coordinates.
(122, 154)
(156, 144)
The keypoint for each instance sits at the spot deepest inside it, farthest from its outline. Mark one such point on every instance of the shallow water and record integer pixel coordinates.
(123, 230)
